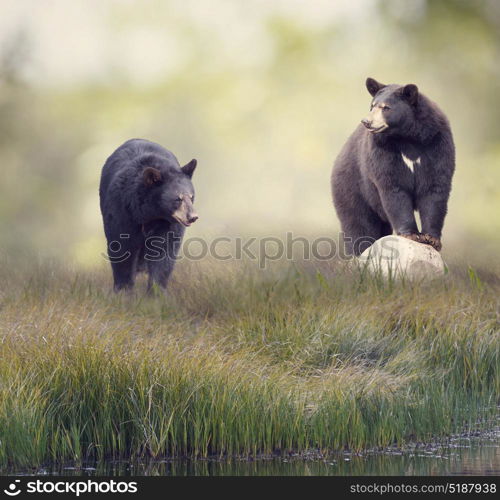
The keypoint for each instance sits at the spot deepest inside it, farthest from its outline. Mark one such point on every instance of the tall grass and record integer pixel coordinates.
(238, 361)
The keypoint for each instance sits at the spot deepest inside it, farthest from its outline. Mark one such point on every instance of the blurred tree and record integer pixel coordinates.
(263, 97)
(39, 185)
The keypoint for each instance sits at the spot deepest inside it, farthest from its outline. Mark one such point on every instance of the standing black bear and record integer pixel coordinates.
(146, 202)
(401, 159)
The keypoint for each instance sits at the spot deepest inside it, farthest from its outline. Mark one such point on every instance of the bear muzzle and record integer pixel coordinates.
(375, 121)
(186, 214)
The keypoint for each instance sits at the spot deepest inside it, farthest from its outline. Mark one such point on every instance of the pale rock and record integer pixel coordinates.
(400, 257)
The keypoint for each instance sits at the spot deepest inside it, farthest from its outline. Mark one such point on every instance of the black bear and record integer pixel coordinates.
(146, 203)
(400, 159)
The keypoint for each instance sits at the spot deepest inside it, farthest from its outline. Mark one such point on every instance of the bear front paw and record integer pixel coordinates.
(434, 242)
(412, 236)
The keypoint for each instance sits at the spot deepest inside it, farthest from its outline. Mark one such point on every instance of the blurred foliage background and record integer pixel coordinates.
(262, 93)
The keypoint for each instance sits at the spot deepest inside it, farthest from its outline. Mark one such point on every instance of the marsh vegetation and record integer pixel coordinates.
(241, 361)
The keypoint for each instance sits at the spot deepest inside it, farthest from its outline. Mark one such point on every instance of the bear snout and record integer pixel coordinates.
(186, 214)
(193, 218)
(367, 123)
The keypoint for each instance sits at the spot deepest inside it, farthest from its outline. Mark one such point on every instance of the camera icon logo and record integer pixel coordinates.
(12, 489)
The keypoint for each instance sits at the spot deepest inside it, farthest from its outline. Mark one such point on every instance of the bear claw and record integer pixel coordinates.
(426, 239)
(434, 242)
(412, 236)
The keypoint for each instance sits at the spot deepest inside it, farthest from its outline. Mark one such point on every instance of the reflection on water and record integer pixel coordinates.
(462, 456)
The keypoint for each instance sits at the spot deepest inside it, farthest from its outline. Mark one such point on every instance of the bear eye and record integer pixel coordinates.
(385, 108)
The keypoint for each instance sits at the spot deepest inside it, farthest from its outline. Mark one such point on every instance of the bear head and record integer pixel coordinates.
(392, 108)
(168, 193)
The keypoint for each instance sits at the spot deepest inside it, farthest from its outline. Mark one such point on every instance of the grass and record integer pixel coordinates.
(240, 361)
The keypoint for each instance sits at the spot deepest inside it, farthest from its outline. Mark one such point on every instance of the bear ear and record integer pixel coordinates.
(151, 176)
(410, 93)
(373, 86)
(188, 168)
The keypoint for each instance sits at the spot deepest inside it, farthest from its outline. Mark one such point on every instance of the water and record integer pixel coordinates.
(460, 456)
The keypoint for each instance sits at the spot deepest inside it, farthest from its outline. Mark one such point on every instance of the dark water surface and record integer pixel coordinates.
(460, 456)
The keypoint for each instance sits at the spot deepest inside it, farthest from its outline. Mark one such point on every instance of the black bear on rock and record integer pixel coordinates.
(401, 159)
(146, 203)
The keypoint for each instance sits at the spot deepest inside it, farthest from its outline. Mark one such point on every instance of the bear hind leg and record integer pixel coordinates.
(360, 234)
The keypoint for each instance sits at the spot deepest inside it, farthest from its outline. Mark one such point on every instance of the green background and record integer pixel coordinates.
(262, 93)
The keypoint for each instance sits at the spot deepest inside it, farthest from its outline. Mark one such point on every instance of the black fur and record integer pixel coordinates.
(374, 192)
(139, 189)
